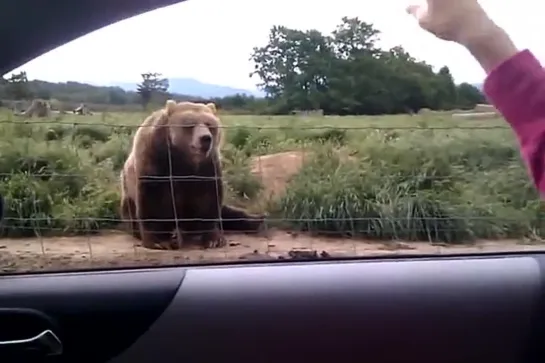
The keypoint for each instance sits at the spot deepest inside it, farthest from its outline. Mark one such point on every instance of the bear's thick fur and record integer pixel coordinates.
(173, 174)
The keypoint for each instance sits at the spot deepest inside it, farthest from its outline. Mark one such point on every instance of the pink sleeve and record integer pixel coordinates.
(517, 89)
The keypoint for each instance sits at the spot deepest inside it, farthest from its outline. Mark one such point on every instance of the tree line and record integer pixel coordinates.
(18, 87)
(345, 72)
(342, 73)
(153, 88)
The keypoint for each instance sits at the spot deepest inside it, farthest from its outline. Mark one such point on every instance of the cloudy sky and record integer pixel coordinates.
(211, 40)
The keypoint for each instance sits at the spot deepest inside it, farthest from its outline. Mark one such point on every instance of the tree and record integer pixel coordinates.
(345, 72)
(468, 96)
(16, 86)
(117, 96)
(152, 85)
(446, 96)
(293, 68)
(354, 38)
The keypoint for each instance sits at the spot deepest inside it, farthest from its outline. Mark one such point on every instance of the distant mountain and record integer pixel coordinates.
(192, 87)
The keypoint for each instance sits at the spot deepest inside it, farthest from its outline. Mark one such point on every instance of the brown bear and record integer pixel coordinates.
(172, 179)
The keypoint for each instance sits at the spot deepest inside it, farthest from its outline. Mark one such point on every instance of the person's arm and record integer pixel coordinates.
(515, 85)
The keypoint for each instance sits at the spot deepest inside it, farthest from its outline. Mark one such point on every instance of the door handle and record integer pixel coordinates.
(45, 344)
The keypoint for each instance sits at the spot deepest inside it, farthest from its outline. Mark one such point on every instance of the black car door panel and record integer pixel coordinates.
(433, 310)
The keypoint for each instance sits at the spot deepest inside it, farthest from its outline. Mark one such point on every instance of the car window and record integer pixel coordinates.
(353, 136)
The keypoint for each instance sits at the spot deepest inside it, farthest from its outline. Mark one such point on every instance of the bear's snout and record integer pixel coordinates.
(205, 142)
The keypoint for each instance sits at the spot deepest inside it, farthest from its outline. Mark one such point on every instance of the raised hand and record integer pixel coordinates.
(460, 21)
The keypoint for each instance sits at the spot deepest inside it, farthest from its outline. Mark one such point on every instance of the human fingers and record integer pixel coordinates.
(412, 9)
(418, 11)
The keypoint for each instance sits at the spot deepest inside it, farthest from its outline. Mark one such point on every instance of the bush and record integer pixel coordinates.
(240, 182)
(445, 191)
(52, 186)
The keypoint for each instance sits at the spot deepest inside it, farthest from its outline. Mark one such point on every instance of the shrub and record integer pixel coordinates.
(435, 192)
(240, 182)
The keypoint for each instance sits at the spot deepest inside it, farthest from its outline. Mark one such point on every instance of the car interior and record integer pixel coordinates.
(426, 309)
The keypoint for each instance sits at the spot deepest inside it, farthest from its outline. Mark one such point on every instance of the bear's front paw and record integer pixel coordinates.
(160, 245)
(214, 239)
(152, 245)
(258, 225)
(166, 245)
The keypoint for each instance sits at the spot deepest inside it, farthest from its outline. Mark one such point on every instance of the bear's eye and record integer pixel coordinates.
(211, 126)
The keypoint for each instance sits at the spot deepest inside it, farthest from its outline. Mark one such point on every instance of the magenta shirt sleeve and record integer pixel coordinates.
(517, 89)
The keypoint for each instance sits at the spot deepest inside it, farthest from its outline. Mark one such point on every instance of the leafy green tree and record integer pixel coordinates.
(468, 96)
(345, 72)
(354, 38)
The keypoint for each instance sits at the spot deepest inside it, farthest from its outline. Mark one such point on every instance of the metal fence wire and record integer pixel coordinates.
(326, 185)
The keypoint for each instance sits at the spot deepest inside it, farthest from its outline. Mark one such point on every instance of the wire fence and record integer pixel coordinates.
(263, 127)
(281, 182)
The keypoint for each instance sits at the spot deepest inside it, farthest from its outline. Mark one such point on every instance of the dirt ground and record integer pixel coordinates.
(120, 250)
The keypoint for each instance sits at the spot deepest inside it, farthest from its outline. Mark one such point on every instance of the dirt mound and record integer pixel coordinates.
(275, 170)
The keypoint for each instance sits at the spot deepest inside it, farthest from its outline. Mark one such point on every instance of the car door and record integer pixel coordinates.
(304, 307)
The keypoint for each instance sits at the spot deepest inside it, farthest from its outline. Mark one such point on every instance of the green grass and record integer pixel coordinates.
(425, 177)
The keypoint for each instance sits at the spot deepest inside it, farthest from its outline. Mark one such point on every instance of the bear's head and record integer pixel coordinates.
(194, 128)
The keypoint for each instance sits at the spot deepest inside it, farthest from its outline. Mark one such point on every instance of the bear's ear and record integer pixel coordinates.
(170, 107)
(212, 107)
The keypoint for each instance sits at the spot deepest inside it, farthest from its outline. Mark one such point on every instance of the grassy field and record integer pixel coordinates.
(413, 178)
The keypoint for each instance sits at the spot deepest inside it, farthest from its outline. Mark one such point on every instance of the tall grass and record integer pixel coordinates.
(390, 177)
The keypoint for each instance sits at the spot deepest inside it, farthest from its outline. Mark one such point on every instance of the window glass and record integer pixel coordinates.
(314, 131)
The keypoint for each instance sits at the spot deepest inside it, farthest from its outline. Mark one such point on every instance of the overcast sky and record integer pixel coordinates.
(211, 40)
